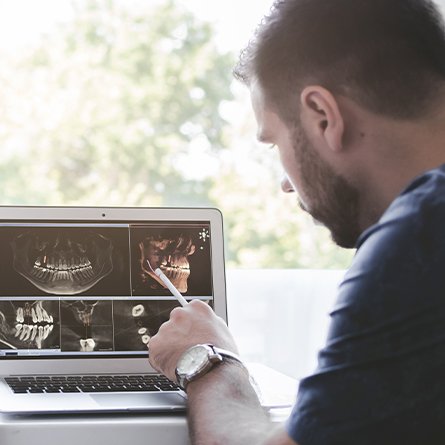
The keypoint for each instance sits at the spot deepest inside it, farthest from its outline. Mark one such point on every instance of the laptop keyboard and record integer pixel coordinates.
(90, 383)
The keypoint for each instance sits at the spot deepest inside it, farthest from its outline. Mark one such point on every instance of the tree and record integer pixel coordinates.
(123, 105)
(110, 104)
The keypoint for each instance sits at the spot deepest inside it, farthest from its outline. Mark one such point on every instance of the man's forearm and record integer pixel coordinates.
(224, 408)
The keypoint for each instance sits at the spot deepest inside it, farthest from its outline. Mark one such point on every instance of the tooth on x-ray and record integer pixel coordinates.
(18, 328)
(138, 310)
(87, 345)
(145, 339)
(39, 313)
(20, 318)
(33, 332)
(28, 333)
(25, 332)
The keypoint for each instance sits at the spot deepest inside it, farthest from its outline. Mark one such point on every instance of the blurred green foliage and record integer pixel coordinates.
(123, 106)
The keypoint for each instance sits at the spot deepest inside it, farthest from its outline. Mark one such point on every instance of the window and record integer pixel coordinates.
(133, 103)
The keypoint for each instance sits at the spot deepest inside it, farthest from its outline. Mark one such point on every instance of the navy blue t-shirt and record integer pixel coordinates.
(381, 375)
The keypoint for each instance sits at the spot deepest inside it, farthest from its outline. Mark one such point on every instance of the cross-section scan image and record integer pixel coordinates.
(182, 254)
(64, 261)
(135, 322)
(29, 324)
(87, 325)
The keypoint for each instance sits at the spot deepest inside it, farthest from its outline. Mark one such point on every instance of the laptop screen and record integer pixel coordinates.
(87, 289)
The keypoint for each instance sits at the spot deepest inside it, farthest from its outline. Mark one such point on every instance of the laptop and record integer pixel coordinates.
(79, 303)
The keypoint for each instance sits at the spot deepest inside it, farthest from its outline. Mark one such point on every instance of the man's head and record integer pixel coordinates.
(309, 58)
(386, 55)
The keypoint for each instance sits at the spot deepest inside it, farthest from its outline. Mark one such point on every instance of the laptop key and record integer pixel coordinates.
(10, 380)
(135, 388)
(150, 388)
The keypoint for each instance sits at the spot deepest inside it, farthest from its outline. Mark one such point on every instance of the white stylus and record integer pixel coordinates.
(170, 286)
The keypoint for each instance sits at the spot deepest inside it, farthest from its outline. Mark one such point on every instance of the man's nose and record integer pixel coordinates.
(286, 186)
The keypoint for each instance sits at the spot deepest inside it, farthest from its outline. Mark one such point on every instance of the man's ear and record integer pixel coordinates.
(320, 110)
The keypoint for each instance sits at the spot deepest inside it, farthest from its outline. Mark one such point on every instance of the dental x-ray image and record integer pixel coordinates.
(135, 322)
(87, 325)
(182, 253)
(32, 324)
(64, 261)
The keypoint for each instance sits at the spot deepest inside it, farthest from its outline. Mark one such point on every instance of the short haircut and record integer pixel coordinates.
(386, 55)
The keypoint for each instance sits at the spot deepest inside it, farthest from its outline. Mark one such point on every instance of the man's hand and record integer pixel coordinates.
(222, 406)
(188, 326)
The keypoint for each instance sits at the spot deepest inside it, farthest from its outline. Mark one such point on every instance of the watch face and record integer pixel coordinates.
(193, 360)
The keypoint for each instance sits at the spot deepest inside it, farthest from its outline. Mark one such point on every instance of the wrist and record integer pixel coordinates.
(229, 372)
(199, 360)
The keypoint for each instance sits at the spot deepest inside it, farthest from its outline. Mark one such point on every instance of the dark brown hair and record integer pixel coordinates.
(387, 55)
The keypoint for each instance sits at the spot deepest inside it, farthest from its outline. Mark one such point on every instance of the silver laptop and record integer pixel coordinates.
(79, 302)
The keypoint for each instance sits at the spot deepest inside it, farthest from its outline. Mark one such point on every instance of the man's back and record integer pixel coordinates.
(384, 360)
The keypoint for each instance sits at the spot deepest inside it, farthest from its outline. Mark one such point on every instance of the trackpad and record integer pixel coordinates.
(152, 401)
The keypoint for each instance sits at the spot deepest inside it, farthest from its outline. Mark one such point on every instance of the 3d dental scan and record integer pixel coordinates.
(181, 253)
(91, 289)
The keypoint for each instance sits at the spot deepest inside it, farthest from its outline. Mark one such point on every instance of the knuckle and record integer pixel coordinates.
(164, 327)
(176, 313)
(200, 306)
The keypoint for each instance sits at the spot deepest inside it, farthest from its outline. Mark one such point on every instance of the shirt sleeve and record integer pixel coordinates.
(379, 378)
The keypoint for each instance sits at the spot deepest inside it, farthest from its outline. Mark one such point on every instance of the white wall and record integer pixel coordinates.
(280, 317)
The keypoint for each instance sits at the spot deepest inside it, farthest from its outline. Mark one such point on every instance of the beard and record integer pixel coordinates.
(329, 198)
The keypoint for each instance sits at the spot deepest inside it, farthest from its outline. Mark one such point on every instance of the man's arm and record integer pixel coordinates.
(223, 408)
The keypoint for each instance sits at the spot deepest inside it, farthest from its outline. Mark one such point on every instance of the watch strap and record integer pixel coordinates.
(216, 356)
(226, 353)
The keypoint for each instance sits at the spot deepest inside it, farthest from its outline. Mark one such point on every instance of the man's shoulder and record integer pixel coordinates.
(417, 213)
(402, 256)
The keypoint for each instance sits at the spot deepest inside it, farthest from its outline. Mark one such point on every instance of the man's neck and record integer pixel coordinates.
(397, 152)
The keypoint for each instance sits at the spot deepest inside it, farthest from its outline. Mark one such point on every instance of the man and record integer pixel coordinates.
(352, 93)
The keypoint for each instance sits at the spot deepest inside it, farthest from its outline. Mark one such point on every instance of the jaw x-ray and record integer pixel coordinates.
(62, 263)
(29, 324)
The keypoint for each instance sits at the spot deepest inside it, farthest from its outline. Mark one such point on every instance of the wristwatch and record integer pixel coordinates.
(198, 361)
